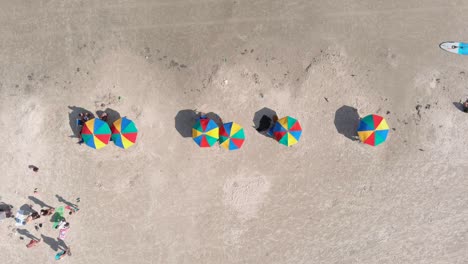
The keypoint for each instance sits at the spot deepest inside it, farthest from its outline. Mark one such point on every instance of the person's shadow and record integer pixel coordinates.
(26, 233)
(55, 244)
(73, 116)
(39, 202)
(62, 200)
(263, 120)
(112, 115)
(347, 122)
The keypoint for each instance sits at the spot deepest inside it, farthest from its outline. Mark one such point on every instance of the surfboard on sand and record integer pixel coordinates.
(455, 47)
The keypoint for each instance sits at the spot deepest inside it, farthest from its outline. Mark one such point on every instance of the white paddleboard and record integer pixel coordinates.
(455, 47)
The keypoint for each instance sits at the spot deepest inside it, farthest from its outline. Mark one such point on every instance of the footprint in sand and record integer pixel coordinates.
(245, 195)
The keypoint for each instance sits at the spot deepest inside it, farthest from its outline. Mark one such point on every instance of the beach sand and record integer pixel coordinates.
(327, 199)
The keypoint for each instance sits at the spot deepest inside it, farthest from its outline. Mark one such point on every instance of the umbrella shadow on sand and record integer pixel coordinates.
(73, 116)
(185, 120)
(347, 121)
(263, 120)
(112, 115)
(458, 105)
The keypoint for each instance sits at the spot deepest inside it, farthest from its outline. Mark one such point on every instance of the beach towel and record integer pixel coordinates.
(2, 215)
(63, 232)
(20, 218)
(32, 243)
(57, 217)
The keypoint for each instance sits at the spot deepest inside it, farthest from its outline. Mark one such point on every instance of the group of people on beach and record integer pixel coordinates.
(83, 118)
(60, 222)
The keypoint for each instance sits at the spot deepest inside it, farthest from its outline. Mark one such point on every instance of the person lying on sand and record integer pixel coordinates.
(73, 210)
(32, 217)
(33, 243)
(62, 254)
(47, 212)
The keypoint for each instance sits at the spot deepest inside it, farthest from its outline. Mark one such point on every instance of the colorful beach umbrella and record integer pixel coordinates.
(287, 131)
(205, 132)
(96, 133)
(231, 136)
(373, 130)
(124, 132)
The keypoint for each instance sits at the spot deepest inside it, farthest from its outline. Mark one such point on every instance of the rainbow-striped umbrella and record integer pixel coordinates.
(231, 136)
(124, 133)
(96, 133)
(287, 131)
(373, 130)
(205, 132)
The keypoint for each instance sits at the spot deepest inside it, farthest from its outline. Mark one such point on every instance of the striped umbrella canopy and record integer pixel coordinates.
(231, 136)
(205, 132)
(124, 132)
(96, 133)
(373, 130)
(287, 131)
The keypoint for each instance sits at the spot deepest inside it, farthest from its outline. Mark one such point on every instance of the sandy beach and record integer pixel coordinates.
(327, 199)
